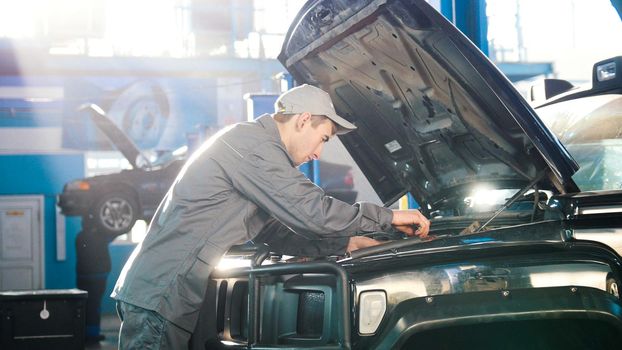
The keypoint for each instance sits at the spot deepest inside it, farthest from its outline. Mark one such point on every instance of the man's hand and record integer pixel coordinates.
(358, 242)
(406, 220)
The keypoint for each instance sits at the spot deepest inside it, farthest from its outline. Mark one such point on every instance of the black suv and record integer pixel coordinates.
(504, 268)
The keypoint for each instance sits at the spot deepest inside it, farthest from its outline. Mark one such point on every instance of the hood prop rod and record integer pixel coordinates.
(511, 201)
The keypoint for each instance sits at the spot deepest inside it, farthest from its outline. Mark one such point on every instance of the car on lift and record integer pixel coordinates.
(506, 265)
(113, 202)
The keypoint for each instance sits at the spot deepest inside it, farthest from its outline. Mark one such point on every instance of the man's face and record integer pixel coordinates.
(309, 139)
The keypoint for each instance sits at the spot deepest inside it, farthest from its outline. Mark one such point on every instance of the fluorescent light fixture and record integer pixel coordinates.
(606, 71)
(372, 307)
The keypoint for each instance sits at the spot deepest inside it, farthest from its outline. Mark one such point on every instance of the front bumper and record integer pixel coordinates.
(75, 202)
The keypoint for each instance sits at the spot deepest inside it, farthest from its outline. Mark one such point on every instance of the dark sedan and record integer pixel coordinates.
(115, 201)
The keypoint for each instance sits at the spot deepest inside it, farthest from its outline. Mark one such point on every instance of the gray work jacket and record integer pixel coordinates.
(229, 189)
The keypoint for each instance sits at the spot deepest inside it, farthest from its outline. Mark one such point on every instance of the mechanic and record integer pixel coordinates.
(93, 264)
(236, 183)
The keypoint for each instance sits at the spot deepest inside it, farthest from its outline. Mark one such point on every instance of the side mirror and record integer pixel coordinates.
(607, 74)
(547, 88)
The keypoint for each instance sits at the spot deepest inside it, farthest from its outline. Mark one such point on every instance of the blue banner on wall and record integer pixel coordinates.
(30, 101)
(156, 113)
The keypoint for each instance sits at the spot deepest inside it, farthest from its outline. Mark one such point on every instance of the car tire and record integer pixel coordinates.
(115, 213)
(613, 287)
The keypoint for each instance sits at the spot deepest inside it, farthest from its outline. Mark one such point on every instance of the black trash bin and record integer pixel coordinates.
(42, 319)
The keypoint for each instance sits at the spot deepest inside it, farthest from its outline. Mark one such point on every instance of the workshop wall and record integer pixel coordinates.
(45, 174)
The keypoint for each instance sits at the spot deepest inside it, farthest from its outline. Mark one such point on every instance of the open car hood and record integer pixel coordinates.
(118, 138)
(434, 115)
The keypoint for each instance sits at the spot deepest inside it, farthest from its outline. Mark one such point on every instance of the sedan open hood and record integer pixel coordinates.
(118, 138)
(434, 115)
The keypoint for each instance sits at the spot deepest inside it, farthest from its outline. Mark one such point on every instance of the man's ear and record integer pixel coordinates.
(302, 119)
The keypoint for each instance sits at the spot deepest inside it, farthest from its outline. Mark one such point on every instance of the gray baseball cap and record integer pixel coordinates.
(308, 98)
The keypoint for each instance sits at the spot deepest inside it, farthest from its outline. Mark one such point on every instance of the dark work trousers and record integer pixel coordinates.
(95, 285)
(205, 334)
(147, 330)
(92, 269)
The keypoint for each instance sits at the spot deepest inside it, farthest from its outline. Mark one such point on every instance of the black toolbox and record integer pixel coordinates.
(42, 319)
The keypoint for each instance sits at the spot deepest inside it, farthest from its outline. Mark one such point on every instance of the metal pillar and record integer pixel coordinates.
(470, 17)
(312, 168)
(617, 4)
(258, 104)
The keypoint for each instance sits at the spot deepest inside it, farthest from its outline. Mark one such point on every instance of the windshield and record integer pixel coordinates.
(591, 130)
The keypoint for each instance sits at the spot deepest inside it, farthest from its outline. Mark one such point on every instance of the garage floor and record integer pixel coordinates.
(110, 328)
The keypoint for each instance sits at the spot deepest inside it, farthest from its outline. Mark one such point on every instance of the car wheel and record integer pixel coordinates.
(115, 213)
(613, 287)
